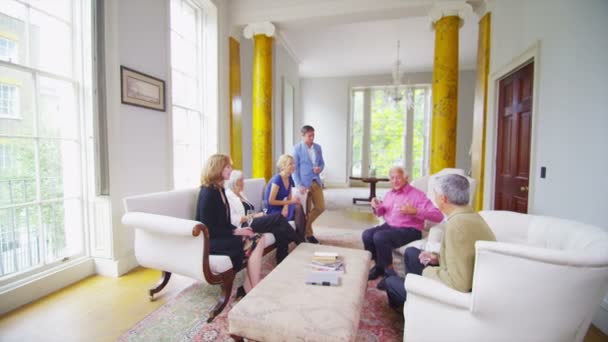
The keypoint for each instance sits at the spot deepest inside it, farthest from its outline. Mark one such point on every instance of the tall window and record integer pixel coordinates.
(385, 133)
(186, 77)
(8, 50)
(41, 136)
(9, 101)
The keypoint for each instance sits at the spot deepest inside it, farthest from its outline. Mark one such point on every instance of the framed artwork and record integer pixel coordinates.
(139, 89)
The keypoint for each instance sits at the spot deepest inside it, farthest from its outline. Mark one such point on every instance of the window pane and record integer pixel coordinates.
(19, 239)
(59, 169)
(177, 83)
(59, 8)
(62, 223)
(12, 29)
(192, 95)
(387, 133)
(180, 126)
(194, 128)
(17, 171)
(57, 108)
(50, 44)
(357, 134)
(16, 102)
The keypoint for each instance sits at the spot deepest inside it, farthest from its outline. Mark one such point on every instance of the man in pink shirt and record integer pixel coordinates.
(404, 209)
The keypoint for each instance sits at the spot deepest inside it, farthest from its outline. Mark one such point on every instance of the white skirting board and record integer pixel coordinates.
(115, 268)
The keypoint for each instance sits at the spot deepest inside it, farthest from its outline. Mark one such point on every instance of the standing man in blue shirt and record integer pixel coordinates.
(309, 164)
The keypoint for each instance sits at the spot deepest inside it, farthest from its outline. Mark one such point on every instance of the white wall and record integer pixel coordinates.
(284, 66)
(325, 106)
(139, 139)
(571, 118)
(569, 134)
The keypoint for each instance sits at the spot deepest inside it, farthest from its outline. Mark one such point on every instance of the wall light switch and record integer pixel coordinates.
(543, 172)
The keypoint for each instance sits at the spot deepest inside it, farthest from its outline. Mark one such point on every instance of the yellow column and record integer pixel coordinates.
(445, 94)
(478, 148)
(262, 107)
(236, 115)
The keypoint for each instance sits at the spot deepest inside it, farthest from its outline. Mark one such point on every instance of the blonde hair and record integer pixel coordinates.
(284, 161)
(212, 172)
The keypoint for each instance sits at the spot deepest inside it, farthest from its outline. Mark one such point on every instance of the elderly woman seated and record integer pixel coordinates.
(241, 211)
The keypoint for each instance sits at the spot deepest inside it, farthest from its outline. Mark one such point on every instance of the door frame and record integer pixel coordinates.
(531, 54)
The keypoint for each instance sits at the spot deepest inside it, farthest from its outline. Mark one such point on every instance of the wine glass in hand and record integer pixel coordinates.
(249, 218)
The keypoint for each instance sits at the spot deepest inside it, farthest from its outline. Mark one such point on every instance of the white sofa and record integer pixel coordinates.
(542, 281)
(168, 239)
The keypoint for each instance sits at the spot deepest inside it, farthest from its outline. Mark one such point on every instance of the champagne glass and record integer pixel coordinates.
(249, 217)
(425, 248)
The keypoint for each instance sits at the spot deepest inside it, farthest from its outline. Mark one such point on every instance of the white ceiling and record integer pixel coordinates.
(366, 48)
(355, 37)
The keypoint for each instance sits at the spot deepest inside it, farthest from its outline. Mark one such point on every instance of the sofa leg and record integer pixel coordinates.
(160, 285)
(224, 296)
(237, 338)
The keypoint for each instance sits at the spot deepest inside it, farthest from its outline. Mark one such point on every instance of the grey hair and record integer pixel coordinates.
(454, 187)
(399, 169)
(235, 175)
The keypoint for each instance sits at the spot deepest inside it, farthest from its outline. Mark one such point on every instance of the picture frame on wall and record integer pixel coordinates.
(139, 89)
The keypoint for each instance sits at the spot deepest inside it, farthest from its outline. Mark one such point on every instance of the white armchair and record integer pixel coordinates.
(168, 239)
(542, 281)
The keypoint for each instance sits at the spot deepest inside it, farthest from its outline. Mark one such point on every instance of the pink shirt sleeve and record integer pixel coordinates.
(426, 210)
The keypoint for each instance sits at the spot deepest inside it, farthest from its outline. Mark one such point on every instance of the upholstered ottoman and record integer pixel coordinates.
(283, 308)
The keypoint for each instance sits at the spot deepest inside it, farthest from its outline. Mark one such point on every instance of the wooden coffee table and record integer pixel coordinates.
(372, 187)
(283, 308)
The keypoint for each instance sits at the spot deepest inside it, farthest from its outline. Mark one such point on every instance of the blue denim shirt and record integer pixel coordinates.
(303, 175)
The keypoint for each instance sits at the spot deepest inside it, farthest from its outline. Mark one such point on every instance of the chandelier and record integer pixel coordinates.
(394, 92)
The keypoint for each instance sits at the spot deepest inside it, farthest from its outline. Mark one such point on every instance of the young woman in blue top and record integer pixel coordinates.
(278, 194)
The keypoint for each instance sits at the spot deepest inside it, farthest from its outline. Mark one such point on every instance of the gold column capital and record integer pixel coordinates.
(449, 8)
(254, 29)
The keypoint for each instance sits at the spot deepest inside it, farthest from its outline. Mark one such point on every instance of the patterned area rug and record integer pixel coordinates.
(183, 318)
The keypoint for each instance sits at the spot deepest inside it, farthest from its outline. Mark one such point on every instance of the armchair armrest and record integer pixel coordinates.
(420, 286)
(162, 224)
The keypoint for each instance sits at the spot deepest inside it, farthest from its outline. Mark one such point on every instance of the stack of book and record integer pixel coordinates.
(327, 262)
(327, 267)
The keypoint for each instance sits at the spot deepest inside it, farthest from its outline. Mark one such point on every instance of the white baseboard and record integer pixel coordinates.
(115, 268)
(330, 185)
(45, 283)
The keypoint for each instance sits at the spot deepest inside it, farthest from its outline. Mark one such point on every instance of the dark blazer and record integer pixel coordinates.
(211, 210)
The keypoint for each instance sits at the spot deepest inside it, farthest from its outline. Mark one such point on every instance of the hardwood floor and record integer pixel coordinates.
(94, 309)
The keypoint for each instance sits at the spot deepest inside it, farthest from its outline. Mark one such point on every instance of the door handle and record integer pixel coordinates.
(523, 188)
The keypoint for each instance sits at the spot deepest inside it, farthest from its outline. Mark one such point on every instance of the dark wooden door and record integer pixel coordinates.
(513, 150)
